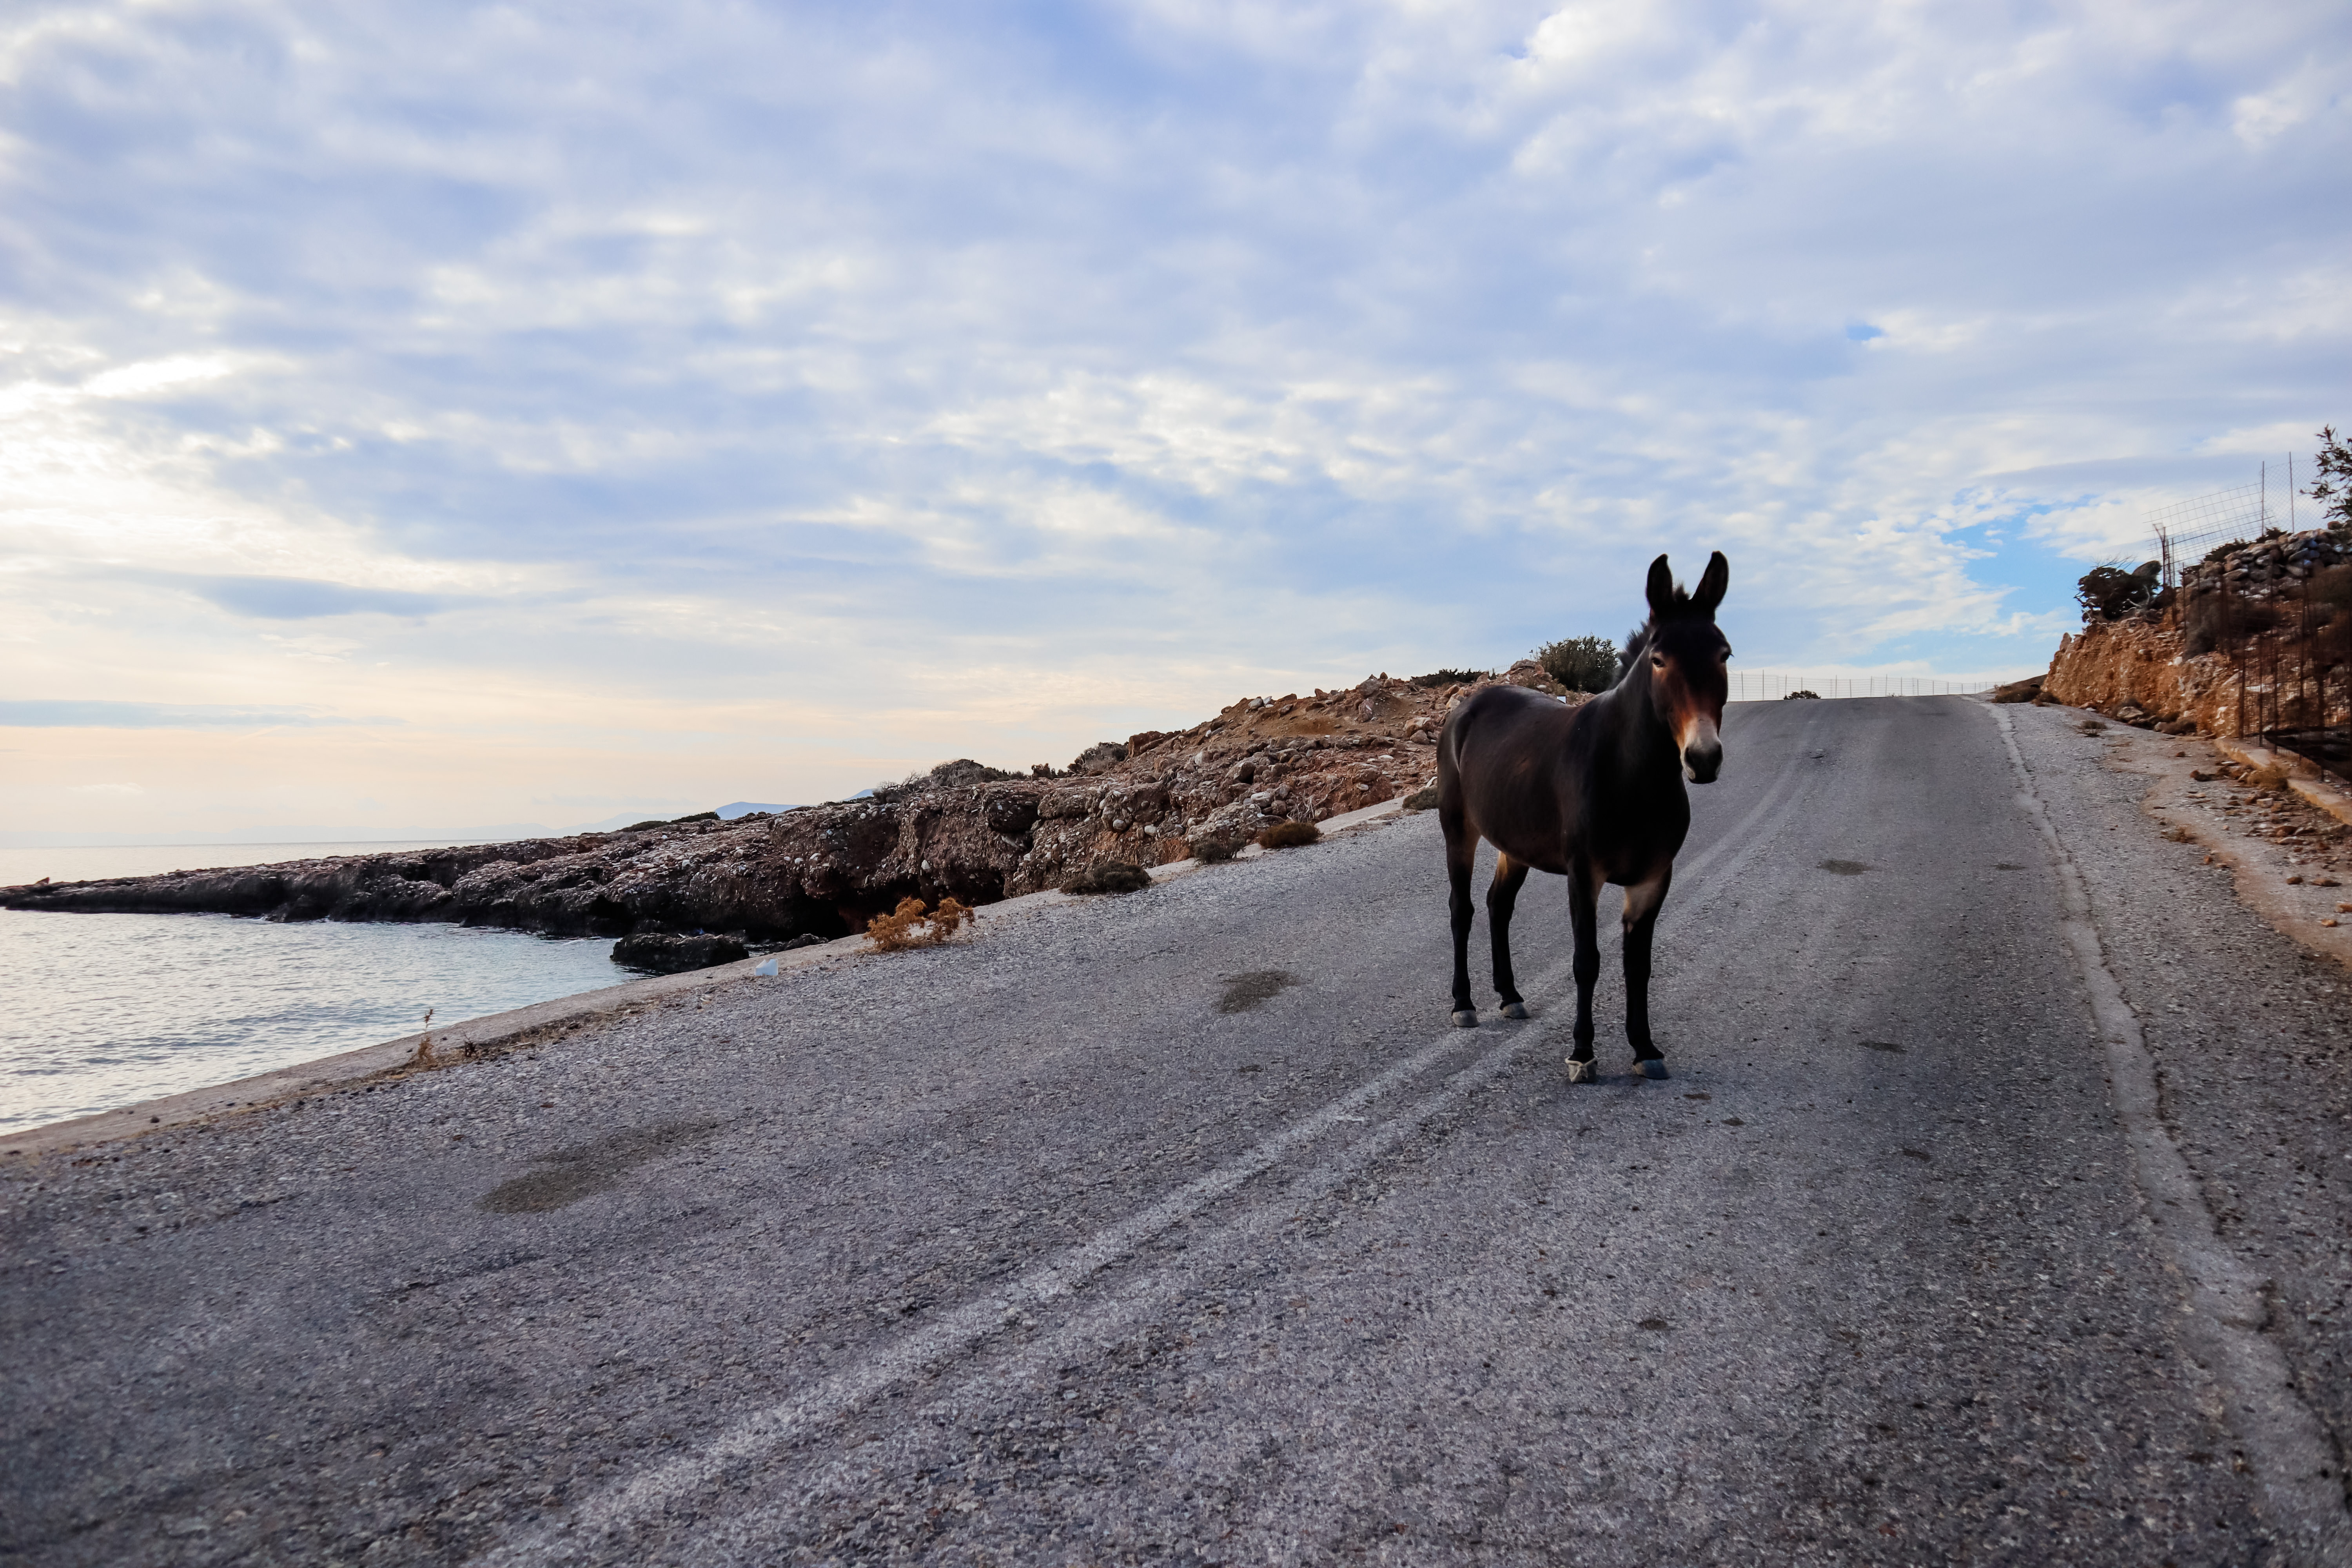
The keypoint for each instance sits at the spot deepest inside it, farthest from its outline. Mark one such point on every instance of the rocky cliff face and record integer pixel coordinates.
(2175, 668)
(827, 870)
(2137, 670)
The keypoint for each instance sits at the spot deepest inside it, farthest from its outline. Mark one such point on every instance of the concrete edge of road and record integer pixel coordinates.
(496, 1034)
(2300, 777)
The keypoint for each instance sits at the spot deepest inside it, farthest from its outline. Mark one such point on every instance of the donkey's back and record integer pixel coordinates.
(1507, 773)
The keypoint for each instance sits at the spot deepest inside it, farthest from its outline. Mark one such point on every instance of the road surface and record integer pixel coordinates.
(1180, 1228)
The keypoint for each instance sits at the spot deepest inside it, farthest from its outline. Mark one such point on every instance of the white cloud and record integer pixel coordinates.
(944, 374)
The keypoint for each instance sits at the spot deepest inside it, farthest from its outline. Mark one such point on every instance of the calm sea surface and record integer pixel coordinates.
(98, 1010)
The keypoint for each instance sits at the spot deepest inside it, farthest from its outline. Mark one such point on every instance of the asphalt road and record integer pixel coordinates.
(1180, 1228)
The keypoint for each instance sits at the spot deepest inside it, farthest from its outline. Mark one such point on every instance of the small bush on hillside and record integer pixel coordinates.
(2108, 593)
(2331, 587)
(1581, 664)
(963, 771)
(1211, 846)
(1111, 877)
(1421, 799)
(1101, 757)
(1289, 835)
(2215, 620)
(1803, 693)
(1450, 677)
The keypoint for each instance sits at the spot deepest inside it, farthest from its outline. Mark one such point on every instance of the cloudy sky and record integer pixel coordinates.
(418, 415)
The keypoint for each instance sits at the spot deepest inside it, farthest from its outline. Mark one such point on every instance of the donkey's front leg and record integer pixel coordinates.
(1583, 905)
(1642, 901)
(1502, 897)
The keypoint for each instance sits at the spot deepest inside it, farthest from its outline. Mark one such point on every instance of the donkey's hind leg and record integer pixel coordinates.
(1502, 897)
(1583, 909)
(1461, 846)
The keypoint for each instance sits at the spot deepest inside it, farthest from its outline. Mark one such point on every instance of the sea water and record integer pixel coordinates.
(100, 1011)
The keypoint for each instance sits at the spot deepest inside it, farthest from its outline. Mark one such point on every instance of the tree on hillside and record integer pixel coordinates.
(1581, 664)
(2109, 593)
(2333, 488)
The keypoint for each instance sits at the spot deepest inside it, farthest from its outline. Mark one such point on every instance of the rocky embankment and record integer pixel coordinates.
(2211, 656)
(973, 831)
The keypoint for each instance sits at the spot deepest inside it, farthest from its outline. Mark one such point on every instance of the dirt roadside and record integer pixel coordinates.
(2290, 859)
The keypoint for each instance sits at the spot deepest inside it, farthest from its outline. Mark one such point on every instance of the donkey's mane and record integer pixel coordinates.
(1637, 642)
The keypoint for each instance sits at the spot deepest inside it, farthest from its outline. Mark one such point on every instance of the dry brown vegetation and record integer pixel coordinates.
(910, 926)
(1289, 835)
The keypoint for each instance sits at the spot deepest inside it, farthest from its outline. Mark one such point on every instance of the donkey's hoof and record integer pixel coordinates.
(1464, 1018)
(1581, 1072)
(1654, 1069)
(1515, 1009)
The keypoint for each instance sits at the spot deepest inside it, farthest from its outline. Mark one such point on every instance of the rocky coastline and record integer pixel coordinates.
(975, 833)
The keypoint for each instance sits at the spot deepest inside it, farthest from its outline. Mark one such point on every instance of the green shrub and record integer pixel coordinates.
(2108, 593)
(2215, 620)
(1209, 847)
(1581, 664)
(1111, 877)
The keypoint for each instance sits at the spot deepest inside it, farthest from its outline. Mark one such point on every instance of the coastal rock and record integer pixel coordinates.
(823, 871)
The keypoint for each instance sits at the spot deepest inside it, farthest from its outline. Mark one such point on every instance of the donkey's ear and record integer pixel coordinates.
(1711, 585)
(1661, 590)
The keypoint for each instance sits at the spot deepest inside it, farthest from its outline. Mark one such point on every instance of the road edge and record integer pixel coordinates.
(2294, 1455)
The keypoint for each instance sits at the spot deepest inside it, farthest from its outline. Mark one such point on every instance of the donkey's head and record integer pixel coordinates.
(1686, 655)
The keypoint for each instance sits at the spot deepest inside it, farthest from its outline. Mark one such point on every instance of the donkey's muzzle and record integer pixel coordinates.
(1702, 760)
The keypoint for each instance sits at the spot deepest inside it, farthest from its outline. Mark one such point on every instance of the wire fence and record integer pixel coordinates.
(2278, 615)
(1773, 685)
(2187, 531)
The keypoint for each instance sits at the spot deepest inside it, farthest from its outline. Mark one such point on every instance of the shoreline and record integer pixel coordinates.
(495, 1034)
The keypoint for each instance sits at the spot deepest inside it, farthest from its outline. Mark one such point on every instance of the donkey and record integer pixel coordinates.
(1593, 793)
